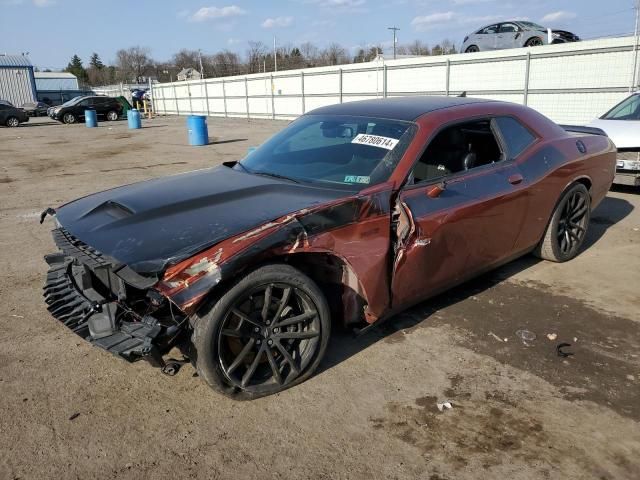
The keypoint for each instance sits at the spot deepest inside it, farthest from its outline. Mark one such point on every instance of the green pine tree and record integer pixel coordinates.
(75, 67)
(95, 61)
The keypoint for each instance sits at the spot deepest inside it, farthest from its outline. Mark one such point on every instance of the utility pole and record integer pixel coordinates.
(395, 39)
(275, 55)
(200, 60)
(635, 49)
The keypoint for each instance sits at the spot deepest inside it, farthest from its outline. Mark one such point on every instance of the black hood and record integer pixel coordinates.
(150, 224)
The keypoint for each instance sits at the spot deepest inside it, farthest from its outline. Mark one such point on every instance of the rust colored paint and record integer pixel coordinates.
(441, 234)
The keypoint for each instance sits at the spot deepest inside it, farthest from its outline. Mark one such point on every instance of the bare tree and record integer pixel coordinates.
(134, 63)
(224, 63)
(186, 59)
(334, 54)
(255, 56)
(311, 54)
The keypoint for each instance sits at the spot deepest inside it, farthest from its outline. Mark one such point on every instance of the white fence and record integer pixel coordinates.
(570, 83)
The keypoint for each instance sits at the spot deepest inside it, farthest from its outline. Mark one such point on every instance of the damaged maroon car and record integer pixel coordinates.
(349, 215)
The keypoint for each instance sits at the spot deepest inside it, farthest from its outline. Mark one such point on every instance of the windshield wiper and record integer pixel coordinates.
(275, 175)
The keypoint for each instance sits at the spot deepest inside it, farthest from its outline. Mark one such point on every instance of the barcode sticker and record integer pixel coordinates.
(375, 141)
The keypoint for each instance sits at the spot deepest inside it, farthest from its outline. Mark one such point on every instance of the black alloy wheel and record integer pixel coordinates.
(568, 226)
(265, 334)
(572, 225)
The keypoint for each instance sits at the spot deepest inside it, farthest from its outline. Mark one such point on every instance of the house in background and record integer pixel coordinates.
(189, 74)
(55, 88)
(17, 84)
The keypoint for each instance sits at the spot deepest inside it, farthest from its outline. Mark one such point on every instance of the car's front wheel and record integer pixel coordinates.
(567, 228)
(534, 42)
(12, 122)
(472, 49)
(112, 115)
(268, 332)
(69, 118)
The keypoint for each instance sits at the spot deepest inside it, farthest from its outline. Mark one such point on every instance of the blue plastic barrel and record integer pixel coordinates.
(133, 119)
(198, 131)
(90, 118)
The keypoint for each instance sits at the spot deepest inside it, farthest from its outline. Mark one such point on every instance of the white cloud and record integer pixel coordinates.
(277, 22)
(335, 6)
(559, 16)
(213, 13)
(43, 3)
(424, 22)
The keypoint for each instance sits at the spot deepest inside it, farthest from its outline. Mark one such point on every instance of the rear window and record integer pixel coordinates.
(516, 136)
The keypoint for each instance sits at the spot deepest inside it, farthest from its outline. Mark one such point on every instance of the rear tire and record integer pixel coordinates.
(12, 122)
(265, 334)
(567, 228)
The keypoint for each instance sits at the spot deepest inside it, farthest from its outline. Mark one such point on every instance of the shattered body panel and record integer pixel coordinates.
(174, 244)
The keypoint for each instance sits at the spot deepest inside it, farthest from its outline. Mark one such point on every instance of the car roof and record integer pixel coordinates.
(396, 108)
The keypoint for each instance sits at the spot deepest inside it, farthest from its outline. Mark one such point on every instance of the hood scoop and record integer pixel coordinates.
(115, 210)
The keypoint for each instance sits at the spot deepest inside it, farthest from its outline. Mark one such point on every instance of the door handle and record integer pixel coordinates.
(515, 179)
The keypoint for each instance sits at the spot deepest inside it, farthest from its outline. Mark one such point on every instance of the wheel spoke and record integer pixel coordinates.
(274, 366)
(298, 335)
(245, 317)
(287, 356)
(297, 319)
(241, 356)
(252, 368)
(578, 214)
(283, 303)
(267, 302)
(228, 332)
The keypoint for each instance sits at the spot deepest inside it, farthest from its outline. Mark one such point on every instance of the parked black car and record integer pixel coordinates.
(73, 110)
(35, 109)
(12, 116)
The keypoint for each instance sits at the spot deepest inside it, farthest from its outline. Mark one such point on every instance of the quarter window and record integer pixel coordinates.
(516, 136)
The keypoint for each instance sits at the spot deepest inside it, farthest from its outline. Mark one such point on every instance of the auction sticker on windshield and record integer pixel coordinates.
(375, 141)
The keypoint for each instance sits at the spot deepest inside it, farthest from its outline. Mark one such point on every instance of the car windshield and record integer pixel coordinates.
(73, 101)
(535, 26)
(336, 150)
(628, 109)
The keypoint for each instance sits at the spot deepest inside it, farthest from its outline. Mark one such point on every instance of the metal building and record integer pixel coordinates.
(17, 84)
(55, 81)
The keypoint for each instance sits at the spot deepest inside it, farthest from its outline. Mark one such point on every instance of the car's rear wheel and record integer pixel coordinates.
(472, 48)
(12, 122)
(533, 42)
(267, 333)
(69, 118)
(112, 115)
(567, 228)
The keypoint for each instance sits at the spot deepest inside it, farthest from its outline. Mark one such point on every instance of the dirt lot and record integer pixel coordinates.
(68, 410)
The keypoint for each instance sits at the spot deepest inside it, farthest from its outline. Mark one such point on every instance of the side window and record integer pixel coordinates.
(489, 29)
(508, 28)
(516, 136)
(84, 103)
(458, 148)
(628, 109)
(3, 107)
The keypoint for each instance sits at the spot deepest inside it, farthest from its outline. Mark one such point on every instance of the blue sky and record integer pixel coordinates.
(53, 30)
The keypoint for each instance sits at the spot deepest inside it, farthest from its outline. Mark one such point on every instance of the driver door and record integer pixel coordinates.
(456, 221)
(508, 34)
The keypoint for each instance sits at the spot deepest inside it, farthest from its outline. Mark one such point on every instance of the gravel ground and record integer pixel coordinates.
(68, 410)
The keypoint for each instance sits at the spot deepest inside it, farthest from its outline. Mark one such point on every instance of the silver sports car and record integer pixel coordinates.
(514, 34)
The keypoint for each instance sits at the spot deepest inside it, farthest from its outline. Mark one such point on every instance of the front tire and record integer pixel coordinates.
(534, 42)
(267, 333)
(112, 115)
(69, 118)
(567, 228)
(472, 49)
